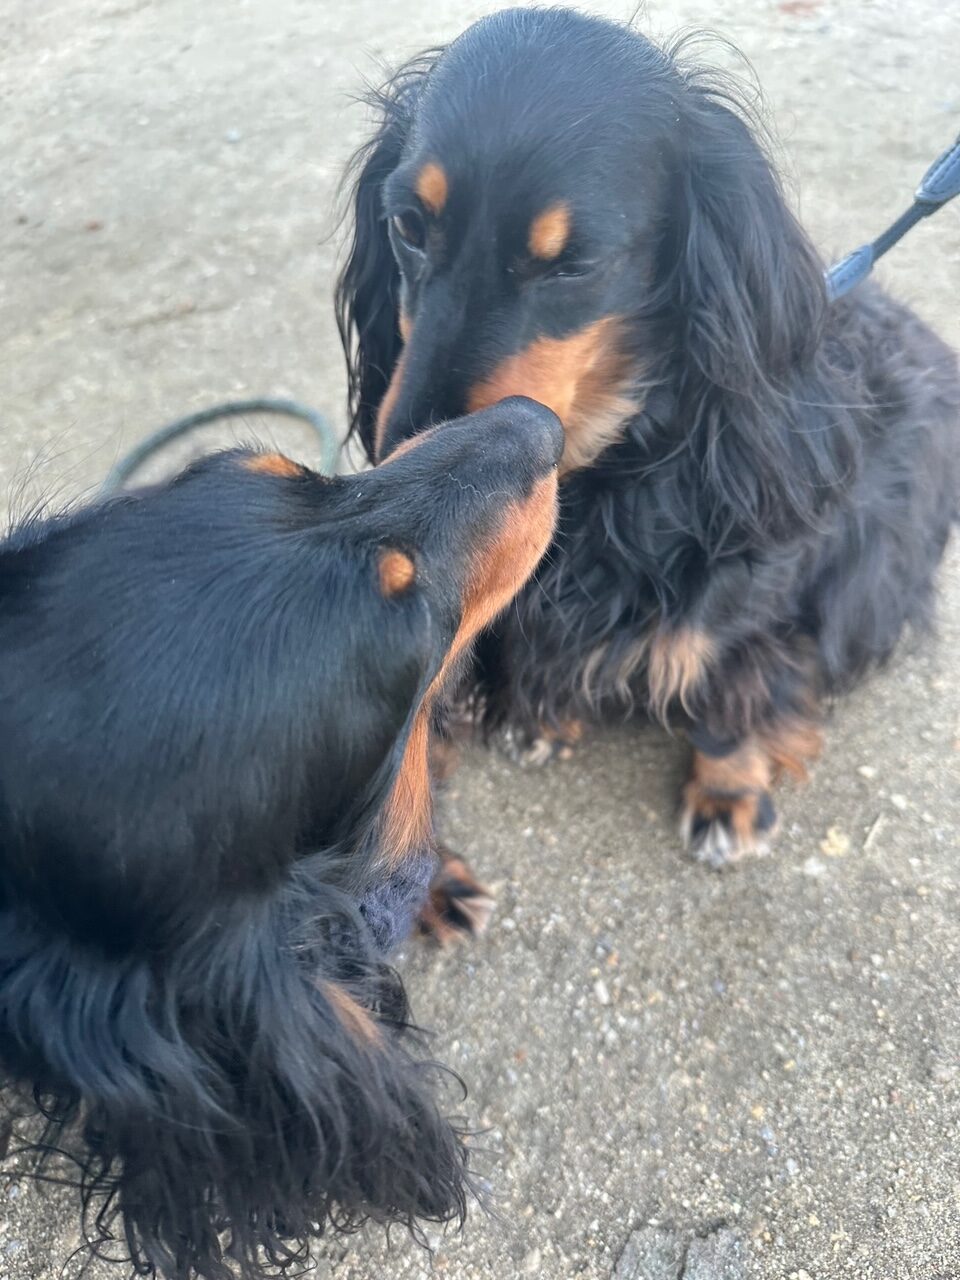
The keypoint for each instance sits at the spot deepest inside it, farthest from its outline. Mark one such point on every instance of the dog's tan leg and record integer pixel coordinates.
(459, 906)
(547, 744)
(728, 809)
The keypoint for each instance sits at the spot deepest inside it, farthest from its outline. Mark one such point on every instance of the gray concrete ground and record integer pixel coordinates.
(655, 1050)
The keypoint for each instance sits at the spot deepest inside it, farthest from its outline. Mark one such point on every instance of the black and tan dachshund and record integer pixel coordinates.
(756, 487)
(215, 822)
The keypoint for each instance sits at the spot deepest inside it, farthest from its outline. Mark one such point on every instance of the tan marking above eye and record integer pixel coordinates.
(549, 232)
(396, 572)
(432, 187)
(273, 464)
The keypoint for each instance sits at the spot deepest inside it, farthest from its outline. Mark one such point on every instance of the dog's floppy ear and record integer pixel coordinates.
(368, 289)
(746, 291)
(231, 1099)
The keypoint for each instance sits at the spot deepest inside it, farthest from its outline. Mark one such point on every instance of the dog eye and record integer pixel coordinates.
(410, 228)
(569, 270)
(535, 272)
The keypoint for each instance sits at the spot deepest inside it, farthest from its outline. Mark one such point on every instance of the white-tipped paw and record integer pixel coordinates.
(459, 906)
(549, 745)
(721, 829)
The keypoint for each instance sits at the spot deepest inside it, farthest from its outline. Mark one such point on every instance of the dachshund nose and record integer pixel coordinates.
(542, 426)
(522, 435)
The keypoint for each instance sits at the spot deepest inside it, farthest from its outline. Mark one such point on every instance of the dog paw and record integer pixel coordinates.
(528, 753)
(538, 750)
(720, 829)
(459, 906)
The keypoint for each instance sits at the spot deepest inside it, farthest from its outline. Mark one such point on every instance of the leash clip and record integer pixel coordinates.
(938, 185)
(941, 182)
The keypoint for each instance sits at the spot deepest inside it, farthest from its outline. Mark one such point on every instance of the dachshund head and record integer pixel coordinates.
(555, 207)
(215, 819)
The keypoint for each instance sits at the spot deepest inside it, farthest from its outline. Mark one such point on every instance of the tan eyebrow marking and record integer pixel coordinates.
(396, 571)
(273, 464)
(432, 187)
(549, 232)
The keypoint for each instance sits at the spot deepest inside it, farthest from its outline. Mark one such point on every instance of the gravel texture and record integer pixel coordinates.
(751, 1075)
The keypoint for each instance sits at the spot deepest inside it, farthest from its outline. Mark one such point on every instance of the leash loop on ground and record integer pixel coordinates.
(329, 443)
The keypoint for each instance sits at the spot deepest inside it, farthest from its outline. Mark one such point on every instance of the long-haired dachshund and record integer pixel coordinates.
(215, 822)
(756, 486)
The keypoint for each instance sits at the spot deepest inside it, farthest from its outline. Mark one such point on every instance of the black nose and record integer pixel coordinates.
(531, 424)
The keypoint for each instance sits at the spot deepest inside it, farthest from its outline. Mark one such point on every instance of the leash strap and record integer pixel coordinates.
(939, 185)
(131, 462)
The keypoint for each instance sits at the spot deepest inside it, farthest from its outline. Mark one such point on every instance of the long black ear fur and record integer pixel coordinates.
(368, 289)
(746, 290)
(217, 1102)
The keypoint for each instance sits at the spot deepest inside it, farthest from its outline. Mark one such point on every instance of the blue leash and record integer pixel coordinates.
(939, 184)
(329, 444)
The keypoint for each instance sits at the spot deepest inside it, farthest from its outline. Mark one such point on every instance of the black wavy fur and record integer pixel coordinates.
(787, 483)
(206, 694)
(368, 291)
